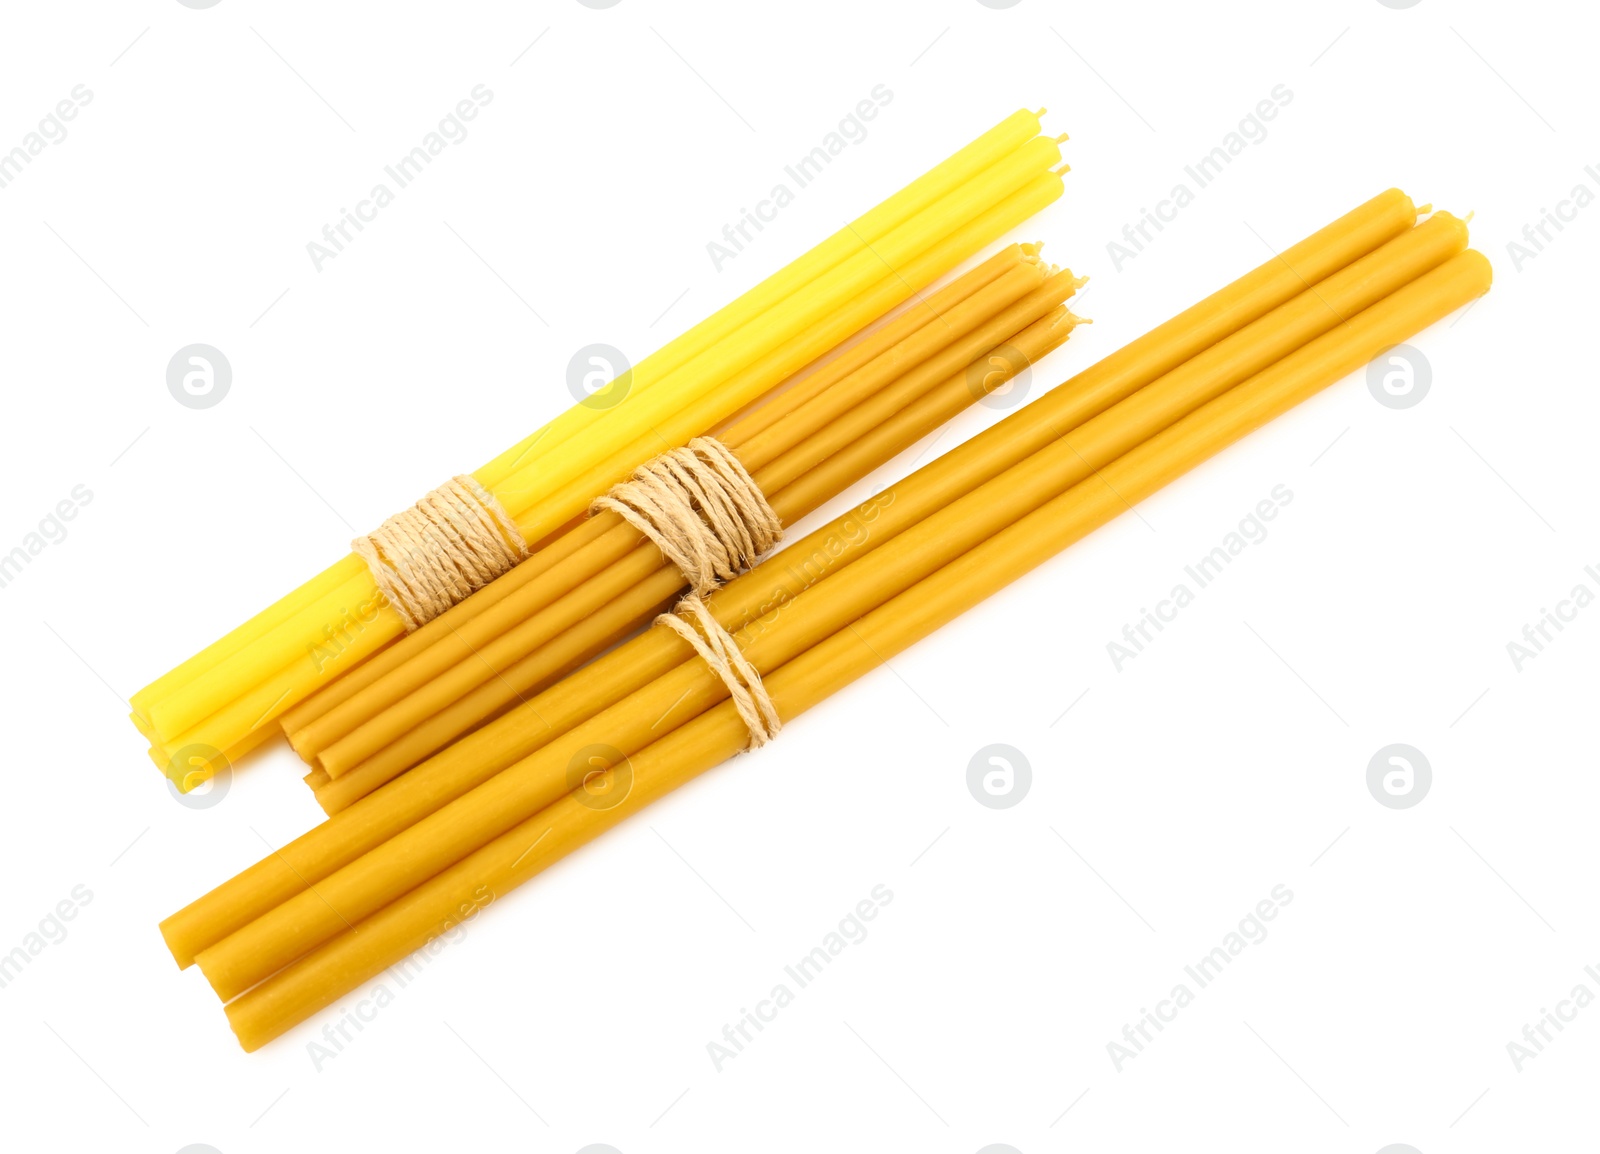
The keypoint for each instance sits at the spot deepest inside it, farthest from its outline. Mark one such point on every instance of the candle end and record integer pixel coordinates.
(1063, 138)
(1041, 112)
(1065, 168)
(1424, 209)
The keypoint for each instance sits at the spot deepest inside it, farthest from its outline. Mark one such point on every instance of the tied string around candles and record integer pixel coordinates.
(707, 515)
(701, 508)
(437, 553)
(722, 655)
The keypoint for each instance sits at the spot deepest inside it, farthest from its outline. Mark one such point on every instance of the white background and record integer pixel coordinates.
(1228, 758)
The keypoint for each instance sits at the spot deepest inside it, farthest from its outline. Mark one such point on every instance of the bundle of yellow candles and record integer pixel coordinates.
(227, 699)
(402, 865)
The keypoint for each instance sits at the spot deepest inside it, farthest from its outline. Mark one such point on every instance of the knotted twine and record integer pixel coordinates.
(722, 655)
(698, 504)
(706, 514)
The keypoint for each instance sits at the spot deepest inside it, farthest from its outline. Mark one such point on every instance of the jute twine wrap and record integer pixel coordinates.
(721, 653)
(707, 515)
(440, 551)
(702, 509)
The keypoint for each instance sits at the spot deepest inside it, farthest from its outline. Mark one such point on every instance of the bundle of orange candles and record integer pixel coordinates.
(601, 582)
(399, 864)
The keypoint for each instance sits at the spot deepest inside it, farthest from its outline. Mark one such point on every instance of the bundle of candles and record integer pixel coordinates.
(228, 698)
(408, 860)
(600, 581)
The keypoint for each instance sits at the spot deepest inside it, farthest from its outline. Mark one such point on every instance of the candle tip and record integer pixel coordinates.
(1041, 112)
(1065, 168)
(1063, 138)
(1424, 209)
(1468, 218)
(1075, 320)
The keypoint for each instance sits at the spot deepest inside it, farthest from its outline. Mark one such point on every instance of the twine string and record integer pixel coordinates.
(437, 553)
(702, 509)
(722, 655)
